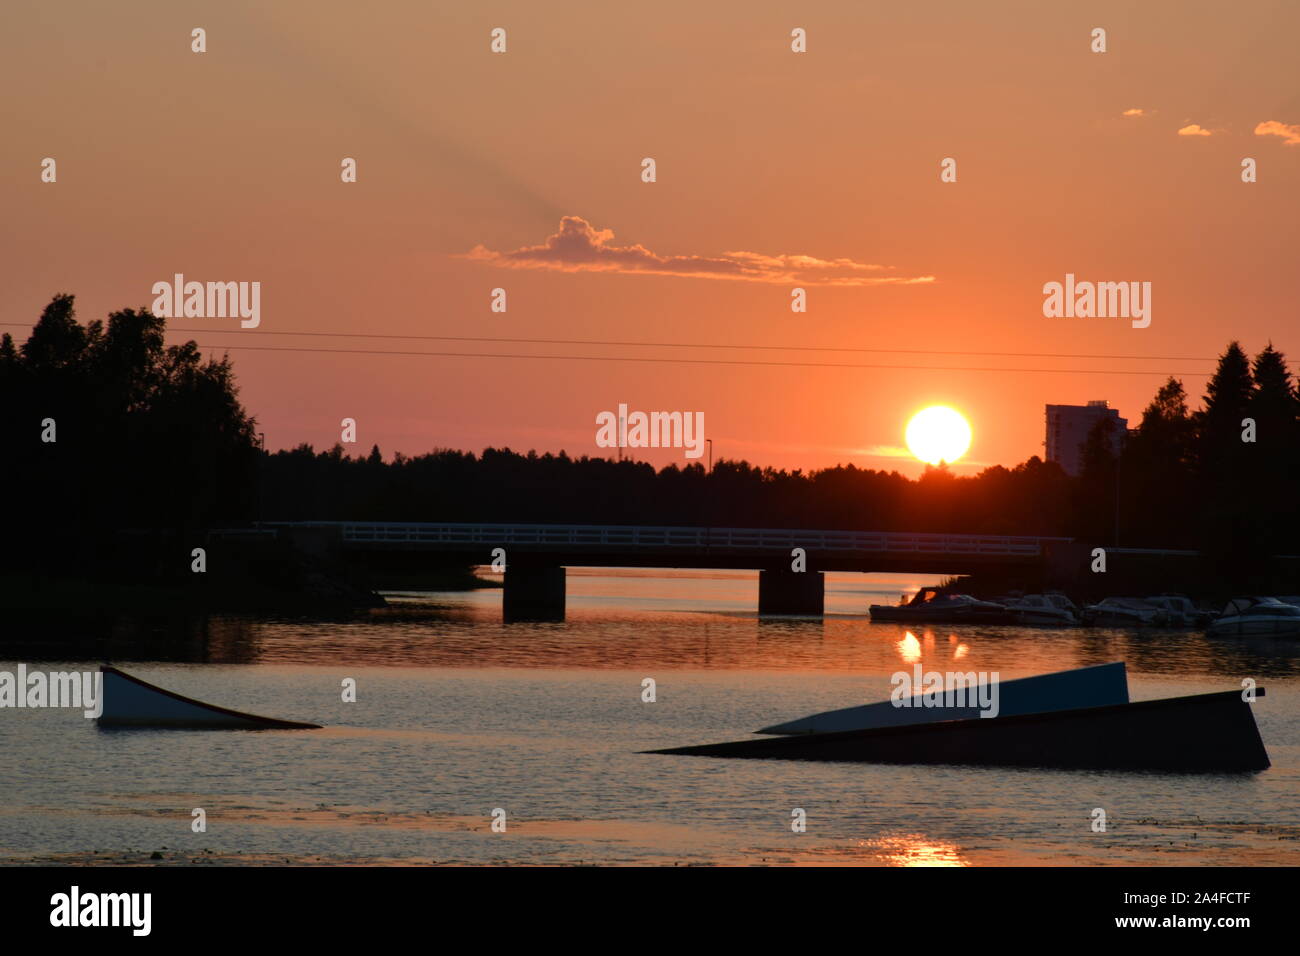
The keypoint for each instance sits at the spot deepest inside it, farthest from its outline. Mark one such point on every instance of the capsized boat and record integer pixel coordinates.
(1204, 733)
(131, 702)
(1257, 617)
(1082, 687)
(932, 606)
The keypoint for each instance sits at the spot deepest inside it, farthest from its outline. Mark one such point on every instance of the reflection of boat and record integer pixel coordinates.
(1083, 687)
(129, 701)
(1205, 733)
(1122, 612)
(1045, 609)
(1261, 616)
(931, 606)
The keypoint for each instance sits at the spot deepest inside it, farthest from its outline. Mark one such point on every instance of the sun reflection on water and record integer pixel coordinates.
(914, 849)
(909, 648)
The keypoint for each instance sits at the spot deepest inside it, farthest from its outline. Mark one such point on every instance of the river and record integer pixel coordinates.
(458, 715)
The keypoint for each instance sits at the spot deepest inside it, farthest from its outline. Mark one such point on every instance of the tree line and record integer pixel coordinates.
(149, 436)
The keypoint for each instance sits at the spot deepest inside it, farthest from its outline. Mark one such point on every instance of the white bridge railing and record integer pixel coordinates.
(649, 538)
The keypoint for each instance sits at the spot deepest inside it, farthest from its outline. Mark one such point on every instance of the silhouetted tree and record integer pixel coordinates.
(145, 436)
(1155, 473)
(1097, 489)
(1223, 466)
(1271, 461)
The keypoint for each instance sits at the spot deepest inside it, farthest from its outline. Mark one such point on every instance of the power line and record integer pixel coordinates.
(710, 345)
(686, 361)
(681, 345)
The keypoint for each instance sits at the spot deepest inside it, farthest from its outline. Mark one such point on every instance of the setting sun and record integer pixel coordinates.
(938, 434)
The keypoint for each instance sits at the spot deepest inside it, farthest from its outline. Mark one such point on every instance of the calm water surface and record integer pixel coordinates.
(458, 714)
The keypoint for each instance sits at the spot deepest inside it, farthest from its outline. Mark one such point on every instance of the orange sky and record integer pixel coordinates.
(224, 166)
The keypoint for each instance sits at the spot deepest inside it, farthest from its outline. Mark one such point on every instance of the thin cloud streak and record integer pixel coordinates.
(885, 451)
(580, 247)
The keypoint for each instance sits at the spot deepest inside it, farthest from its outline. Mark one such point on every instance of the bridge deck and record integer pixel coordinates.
(644, 545)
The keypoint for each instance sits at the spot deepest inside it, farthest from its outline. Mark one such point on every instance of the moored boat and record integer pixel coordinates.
(1123, 612)
(1180, 611)
(131, 702)
(1045, 610)
(932, 606)
(1257, 617)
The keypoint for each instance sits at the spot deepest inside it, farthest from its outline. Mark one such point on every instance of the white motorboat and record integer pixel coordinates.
(1045, 610)
(1123, 612)
(933, 606)
(1257, 617)
(1180, 611)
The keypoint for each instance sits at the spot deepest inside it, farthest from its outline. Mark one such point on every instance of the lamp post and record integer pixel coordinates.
(1119, 455)
(261, 473)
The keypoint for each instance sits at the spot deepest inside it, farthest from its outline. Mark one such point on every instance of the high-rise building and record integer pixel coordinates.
(1068, 427)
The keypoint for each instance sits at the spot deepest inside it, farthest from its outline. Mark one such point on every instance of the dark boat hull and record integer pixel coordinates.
(1206, 733)
(129, 701)
(906, 615)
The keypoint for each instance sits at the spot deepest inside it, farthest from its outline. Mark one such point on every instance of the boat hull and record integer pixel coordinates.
(131, 702)
(1116, 619)
(1279, 628)
(1041, 618)
(904, 615)
(1083, 687)
(1205, 733)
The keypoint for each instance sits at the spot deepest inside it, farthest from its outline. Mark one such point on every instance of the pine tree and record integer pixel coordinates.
(1274, 456)
(1156, 488)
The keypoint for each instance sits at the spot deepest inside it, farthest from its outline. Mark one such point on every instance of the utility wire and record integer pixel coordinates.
(688, 361)
(685, 361)
(709, 345)
(678, 345)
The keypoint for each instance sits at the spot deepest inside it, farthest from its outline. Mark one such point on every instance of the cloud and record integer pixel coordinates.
(894, 452)
(580, 247)
(1290, 134)
(885, 451)
(1135, 111)
(1194, 130)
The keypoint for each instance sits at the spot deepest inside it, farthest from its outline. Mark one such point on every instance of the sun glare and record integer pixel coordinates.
(938, 434)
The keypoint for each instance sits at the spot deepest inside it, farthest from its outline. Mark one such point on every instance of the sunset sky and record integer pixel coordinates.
(774, 170)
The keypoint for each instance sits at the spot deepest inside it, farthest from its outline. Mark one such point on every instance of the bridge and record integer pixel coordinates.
(537, 554)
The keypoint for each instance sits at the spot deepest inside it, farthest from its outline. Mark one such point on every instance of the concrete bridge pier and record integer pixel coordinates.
(533, 592)
(782, 591)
